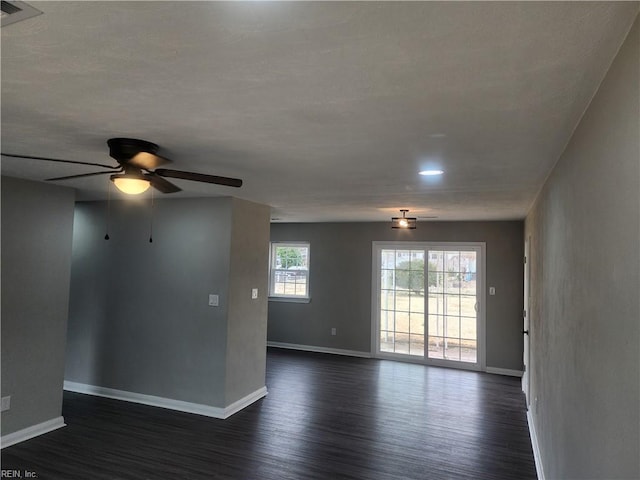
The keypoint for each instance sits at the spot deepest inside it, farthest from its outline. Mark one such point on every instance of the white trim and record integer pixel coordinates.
(273, 298)
(244, 402)
(482, 294)
(169, 403)
(443, 362)
(311, 348)
(504, 371)
(526, 322)
(535, 446)
(31, 432)
(434, 362)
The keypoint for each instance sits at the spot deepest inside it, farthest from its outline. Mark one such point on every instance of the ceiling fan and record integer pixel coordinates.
(137, 168)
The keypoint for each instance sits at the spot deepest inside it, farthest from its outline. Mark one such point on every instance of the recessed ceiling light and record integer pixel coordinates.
(431, 173)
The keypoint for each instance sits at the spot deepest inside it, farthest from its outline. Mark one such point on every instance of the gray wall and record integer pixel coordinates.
(36, 258)
(139, 316)
(585, 317)
(247, 320)
(340, 283)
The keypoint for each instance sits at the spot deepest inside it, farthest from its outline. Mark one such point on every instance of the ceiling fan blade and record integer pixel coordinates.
(68, 177)
(147, 160)
(199, 177)
(60, 161)
(159, 183)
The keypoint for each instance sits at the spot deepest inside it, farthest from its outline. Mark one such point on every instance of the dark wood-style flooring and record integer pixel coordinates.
(326, 417)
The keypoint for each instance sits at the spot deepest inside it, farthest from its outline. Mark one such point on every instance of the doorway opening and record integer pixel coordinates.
(428, 303)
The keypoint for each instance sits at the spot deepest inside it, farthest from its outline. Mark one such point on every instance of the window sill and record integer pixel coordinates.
(290, 299)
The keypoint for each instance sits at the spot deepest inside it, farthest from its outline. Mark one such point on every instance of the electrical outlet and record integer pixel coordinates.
(333, 331)
(6, 403)
(492, 290)
(254, 293)
(214, 300)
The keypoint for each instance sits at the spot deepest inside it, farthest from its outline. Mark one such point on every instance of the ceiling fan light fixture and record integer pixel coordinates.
(135, 157)
(404, 222)
(131, 184)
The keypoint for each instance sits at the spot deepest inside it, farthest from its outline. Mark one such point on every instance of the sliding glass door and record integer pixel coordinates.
(427, 303)
(402, 301)
(453, 305)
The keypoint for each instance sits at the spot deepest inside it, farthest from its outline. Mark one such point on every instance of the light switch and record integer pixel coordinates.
(492, 290)
(214, 300)
(254, 293)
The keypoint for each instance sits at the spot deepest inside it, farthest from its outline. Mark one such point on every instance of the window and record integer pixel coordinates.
(289, 271)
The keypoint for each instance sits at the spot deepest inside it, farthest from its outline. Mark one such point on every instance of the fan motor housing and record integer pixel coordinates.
(126, 148)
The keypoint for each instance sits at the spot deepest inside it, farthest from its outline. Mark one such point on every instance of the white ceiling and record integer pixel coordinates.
(327, 111)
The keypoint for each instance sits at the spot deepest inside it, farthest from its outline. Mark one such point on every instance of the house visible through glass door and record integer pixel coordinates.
(427, 302)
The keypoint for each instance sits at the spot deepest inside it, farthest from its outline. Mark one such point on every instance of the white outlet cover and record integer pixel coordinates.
(254, 293)
(6, 403)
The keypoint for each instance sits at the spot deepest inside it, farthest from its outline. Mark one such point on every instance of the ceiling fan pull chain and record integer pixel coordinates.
(106, 237)
(151, 221)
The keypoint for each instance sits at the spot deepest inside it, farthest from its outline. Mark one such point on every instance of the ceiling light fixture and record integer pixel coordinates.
(431, 173)
(131, 183)
(404, 222)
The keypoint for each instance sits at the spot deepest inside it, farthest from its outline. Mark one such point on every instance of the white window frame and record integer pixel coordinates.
(377, 247)
(279, 297)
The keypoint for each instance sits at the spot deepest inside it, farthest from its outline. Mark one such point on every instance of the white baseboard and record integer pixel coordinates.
(169, 403)
(238, 405)
(311, 348)
(31, 432)
(504, 371)
(534, 444)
